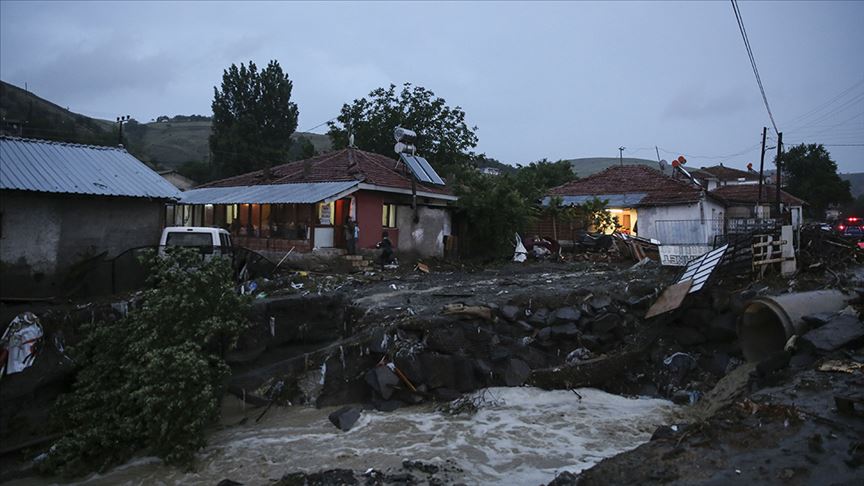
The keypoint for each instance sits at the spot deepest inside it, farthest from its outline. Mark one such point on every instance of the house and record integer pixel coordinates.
(304, 205)
(177, 179)
(719, 175)
(61, 203)
(743, 205)
(650, 204)
(493, 171)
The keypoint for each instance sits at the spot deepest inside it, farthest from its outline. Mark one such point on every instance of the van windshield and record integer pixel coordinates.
(189, 239)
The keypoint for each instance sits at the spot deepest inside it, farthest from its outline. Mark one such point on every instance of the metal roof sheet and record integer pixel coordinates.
(615, 200)
(304, 192)
(43, 166)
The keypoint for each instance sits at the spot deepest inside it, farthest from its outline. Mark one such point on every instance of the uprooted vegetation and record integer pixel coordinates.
(151, 380)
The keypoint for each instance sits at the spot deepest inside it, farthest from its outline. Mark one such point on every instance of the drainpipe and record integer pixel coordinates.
(768, 322)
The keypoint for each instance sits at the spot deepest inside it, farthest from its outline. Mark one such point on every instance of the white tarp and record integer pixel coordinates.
(21, 340)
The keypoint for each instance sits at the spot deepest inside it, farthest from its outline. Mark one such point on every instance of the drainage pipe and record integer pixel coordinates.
(768, 322)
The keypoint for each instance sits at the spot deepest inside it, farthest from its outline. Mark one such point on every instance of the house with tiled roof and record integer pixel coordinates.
(719, 175)
(62, 204)
(305, 204)
(648, 203)
(745, 202)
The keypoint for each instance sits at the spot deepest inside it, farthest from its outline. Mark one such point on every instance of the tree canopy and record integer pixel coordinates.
(253, 119)
(537, 177)
(811, 174)
(443, 137)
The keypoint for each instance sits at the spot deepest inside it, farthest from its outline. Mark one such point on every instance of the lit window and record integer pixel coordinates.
(388, 216)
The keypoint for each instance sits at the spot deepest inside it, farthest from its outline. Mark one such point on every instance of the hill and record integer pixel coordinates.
(584, 167)
(856, 182)
(166, 144)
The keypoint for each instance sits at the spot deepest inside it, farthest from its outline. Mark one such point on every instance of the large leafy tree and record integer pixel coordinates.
(253, 119)
(443, 137)
(809, 173)
(536, 178)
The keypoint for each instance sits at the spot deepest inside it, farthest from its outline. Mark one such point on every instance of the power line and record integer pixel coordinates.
(828, 103)
(753, 62)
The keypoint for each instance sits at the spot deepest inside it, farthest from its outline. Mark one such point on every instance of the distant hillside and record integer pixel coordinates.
(24, 114)
(586, 166)
(856, 182)
(164, 144)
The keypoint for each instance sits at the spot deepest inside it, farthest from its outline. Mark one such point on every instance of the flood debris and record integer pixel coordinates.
(20, 344)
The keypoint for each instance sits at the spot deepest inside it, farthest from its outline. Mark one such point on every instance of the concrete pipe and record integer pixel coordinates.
(768, 322)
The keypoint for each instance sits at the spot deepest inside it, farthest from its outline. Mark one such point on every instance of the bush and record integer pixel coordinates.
(152, 381)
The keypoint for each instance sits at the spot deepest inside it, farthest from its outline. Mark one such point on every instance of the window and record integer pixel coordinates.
(189, 239)
(388, 216)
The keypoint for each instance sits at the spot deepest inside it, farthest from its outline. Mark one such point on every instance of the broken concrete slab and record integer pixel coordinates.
(841, 331)
(345, 417)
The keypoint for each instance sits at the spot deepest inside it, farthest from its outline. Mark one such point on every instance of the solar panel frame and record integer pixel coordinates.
(416, 168)
(433, 176)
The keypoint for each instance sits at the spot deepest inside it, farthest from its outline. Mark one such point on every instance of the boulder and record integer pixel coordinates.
(565, 315)
(566, 330)
(511, 312)
(439, 370)
(448, 340)
(387, 405)
(687, 336)
(344, 418)
(515, 373)
(544, 334)
(382, 379)
(605, 323)
(445, 394)
(841, 331)
(578, 355)
(523, 327)
(600, 302)
(539, 317)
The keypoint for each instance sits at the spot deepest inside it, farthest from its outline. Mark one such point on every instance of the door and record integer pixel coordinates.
(341, 210)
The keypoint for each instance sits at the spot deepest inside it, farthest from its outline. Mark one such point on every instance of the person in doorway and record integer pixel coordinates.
(350, 236)
(386, 249)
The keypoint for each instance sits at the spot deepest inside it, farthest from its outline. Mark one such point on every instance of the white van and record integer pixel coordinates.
(215, 241)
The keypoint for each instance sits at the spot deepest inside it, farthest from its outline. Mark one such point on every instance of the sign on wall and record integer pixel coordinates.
(681, 255)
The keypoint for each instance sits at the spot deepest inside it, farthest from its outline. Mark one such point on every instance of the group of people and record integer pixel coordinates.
(352, 234)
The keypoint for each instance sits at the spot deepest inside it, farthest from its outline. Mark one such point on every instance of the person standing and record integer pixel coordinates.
(386, 247)
(350, 229)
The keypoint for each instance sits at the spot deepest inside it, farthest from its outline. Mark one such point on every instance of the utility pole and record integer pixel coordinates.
(621, 155)
(121, 120)
(762, 163)
(779, 169)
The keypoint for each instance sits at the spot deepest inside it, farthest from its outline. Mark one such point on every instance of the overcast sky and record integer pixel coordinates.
(554, 80)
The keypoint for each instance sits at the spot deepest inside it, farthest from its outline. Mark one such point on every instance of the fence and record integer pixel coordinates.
(688, 231)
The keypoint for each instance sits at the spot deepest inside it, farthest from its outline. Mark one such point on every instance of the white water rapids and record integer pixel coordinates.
(526, 438)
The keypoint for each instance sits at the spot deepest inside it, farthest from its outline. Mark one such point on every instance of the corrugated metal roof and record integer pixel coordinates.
(615, 200)
(43, 166)
(299, 193)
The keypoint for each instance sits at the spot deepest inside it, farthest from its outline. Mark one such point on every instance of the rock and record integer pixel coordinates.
(382, 379)
(511, 312)
(439, 370)
(591, 341)
(722, 328)
(841, 331)
(420, 466)
(499, 353)
(569, 330)
(544, 334)
(668, 432)
(578, 355)
(401, 478)
(523, 327)
(332, 477)
(687, 336)
(605, 323)
(600, 302)
(697, 317)
(639, 292)
(565, 478)
(344, 419)
(448, 340)
(410, 367)
(820, 319)
(539, 317)
(380, 341)
(775, 362)
(721, 299)
(445, 394)
(565, 315)
(716, 364)
(228, 482)
(515, 373)
(387, 405)
(682, 397)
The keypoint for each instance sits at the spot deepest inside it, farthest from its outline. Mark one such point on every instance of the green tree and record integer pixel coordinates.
(809, 173)
(253, 119)
(443, 137)
(538, 177)
(597, 217)
(153, 380)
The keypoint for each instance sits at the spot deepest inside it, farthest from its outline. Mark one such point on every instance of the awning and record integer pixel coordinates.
(299, 193)
(615, 200)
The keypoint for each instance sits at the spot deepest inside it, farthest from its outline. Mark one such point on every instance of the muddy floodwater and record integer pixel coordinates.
(522, 436)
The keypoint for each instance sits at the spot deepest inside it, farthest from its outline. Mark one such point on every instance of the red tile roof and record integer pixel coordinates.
(660, 189)
(341, 165)
(749, 193)
(729, 174)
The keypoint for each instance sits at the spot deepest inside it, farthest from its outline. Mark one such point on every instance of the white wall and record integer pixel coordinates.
(426, 237)
(695, 223)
